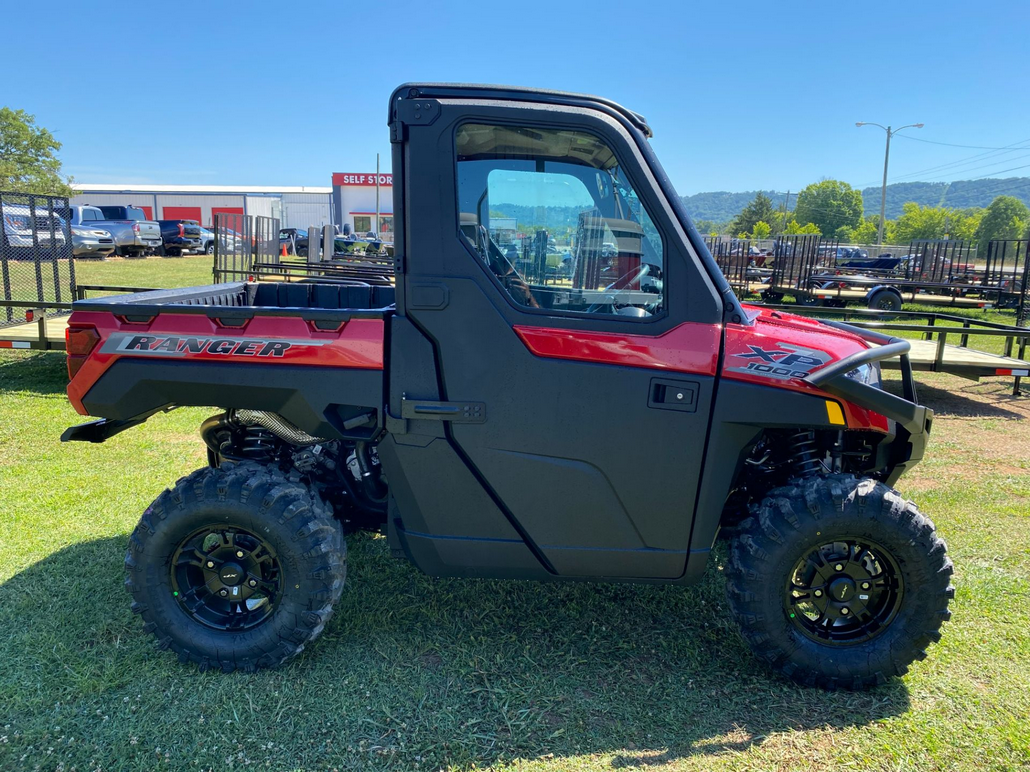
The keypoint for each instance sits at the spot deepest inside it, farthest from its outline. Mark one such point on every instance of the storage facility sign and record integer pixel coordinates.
(346, 179)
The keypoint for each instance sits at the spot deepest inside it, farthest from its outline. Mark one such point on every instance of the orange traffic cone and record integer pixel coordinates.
(282, 251)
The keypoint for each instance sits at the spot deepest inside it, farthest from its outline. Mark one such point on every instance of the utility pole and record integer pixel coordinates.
(886, 159)
(377, 195)
(786, 208)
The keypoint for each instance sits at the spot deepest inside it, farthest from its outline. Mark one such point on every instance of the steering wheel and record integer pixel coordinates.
(630, 277)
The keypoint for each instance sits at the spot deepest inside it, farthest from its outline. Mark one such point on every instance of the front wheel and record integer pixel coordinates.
(838, 582)
(236, 567)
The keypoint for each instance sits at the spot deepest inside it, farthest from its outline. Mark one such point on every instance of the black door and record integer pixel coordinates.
(560, 294)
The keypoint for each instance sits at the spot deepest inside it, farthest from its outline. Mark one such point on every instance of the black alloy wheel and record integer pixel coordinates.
(226, 578)
(844, 592)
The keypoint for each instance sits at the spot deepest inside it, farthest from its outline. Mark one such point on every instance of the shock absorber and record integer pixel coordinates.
(257, 444)
(803, 454)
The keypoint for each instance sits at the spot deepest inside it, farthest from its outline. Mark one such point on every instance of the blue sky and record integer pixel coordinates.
(740, 95)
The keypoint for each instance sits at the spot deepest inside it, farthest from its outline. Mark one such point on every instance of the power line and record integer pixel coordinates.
(951, 144)
(965, 161)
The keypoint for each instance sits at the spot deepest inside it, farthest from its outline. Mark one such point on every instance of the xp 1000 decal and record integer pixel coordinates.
(786, 360)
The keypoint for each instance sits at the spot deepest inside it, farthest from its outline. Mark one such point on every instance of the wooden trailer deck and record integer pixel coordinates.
(30, 335)
(964, 362)
(850, 296)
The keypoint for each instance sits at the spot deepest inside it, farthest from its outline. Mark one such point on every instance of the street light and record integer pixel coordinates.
(886, 158)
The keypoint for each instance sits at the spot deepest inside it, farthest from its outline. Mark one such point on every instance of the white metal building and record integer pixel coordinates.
(296, 207)
(354, 202)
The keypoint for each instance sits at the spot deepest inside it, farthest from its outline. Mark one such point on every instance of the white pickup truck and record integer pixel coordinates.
(133, 233)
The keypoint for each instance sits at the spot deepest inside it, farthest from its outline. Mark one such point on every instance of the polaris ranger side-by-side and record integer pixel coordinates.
(598, 423)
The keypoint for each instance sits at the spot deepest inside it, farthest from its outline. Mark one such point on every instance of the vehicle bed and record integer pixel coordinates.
(312, 352)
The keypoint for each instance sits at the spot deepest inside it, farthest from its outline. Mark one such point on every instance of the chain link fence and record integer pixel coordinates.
(36, 263)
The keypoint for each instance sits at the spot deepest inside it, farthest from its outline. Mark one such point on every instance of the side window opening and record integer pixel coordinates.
(553, 217)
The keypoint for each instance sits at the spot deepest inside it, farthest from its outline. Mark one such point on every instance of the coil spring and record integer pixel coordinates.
(802, 456)
(258, 443)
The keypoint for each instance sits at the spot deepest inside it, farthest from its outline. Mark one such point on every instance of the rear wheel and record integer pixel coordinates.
(236, 567)
(839, 582)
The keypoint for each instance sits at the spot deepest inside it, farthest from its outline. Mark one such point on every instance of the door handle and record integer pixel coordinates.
(457, 412)
(665, 394)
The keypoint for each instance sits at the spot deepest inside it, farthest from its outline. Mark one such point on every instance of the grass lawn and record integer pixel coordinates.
(420, 673)
(156, 272)
(415, 673)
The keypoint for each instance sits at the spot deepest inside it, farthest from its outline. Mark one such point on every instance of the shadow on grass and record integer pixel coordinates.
(951, 396)
(412, 671)
(39, 373)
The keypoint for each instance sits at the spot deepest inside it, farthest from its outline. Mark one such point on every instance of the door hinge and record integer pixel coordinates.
(456, 412)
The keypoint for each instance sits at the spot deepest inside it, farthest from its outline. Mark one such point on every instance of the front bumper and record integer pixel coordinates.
(914, 421)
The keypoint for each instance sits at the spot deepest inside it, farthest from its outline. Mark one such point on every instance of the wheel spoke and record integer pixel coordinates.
(193, 557)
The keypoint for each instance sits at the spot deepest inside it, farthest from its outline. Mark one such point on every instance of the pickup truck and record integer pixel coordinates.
(134, 235)
(177, 236)
(495, 425)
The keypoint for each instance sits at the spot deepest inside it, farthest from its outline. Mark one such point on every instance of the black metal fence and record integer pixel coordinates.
(941, 261)
(734, 257)
(241, 241)
(36, 263)
(797, 257)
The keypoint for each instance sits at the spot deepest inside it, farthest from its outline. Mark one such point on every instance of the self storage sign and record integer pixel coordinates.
(345, 179)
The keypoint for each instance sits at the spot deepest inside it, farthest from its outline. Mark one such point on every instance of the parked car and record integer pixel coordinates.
(207, 241)
(19, 226)
(91, 242)
(133, 233)
(295, 240)
(178, 236)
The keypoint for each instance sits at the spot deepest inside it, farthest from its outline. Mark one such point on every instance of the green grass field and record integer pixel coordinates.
(157, 272)
(415, 673)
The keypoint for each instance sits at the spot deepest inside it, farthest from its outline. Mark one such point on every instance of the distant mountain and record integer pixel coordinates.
(962, 194)
(722, 206)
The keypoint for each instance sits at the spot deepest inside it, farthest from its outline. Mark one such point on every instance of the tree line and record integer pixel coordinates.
(833, 208)
(28, 162)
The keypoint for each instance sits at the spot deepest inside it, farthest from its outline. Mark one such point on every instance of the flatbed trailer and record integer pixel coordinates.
(905, 292)
(45, 322)
(933, 273)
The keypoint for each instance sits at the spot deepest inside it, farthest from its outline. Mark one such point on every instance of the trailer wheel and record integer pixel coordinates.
(885, 300)
(812, 301)
(838, 582)
(236, 567)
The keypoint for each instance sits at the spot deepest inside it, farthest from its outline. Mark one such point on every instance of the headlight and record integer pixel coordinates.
(868, 374)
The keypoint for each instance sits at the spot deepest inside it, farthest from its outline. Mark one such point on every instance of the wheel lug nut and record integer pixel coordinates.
(818, 593)
(239, 553)
(838, 567)
(845, 611)
(223, 593)
(252, 583)
(210, 564)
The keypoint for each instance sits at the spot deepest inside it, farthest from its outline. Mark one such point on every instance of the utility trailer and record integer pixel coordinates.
(505, 426)
(944, 273)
